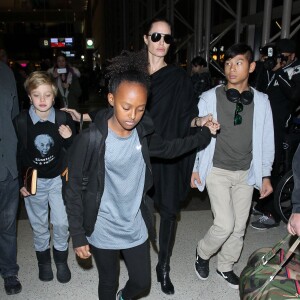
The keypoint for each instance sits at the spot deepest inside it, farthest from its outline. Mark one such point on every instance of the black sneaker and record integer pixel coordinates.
(264, 223)
(201, 267)
(232, 279)
(12, 285)
(119, 295)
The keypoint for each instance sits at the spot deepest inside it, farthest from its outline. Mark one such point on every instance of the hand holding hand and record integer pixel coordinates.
(212, 124)
(83, 251)
(65, 131)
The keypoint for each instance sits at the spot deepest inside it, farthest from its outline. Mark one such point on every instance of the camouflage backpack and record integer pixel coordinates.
(272, 274)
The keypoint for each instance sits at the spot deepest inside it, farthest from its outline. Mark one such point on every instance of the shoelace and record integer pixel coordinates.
(263, 218)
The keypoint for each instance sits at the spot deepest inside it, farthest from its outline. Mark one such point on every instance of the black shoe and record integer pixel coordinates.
(232, 279)
(61, 261)
(265, 222)
(44, 263)
(201, 267)
(163, 276)
(12, 285)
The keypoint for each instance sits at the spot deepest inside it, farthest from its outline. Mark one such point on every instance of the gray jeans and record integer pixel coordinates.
(49, 194)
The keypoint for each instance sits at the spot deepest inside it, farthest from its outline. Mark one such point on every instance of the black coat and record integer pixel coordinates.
(82, 215)
(172, 107)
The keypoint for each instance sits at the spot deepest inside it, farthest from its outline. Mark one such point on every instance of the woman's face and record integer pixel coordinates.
(159, 48)
(61, 62)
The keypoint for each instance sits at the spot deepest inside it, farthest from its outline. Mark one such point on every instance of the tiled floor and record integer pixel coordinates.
(83, 285)
(195, 219)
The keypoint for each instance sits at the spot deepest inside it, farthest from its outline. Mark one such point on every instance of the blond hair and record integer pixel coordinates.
(37, 78)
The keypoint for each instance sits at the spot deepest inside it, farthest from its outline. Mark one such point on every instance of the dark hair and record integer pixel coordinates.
(148, 26)
(237, 49)
(170, 56)
(129, 66)
(199, 61)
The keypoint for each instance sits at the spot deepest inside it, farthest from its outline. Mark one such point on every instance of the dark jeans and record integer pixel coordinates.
(9, 201)
(137, 261)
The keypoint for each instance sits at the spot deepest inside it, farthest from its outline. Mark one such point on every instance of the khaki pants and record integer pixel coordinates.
(230, 198)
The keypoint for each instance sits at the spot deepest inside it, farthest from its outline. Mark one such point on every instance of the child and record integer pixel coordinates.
(239, 159)
(43, 148)
(113, 217)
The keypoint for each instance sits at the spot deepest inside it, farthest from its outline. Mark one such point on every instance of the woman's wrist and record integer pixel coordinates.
(197, 122)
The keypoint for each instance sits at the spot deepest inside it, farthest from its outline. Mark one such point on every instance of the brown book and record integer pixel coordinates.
(30, 180)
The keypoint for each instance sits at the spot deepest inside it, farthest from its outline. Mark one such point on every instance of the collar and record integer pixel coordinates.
(35, 118)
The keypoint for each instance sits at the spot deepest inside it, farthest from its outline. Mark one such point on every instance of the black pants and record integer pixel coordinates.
(137, 261)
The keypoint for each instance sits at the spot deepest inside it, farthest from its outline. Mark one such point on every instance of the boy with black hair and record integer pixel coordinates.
(238, 159)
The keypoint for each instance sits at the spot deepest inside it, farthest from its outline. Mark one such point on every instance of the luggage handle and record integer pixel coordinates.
(270, 254)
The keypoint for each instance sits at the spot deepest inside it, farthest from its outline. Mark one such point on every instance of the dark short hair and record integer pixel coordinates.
(238, 49)
(199, 61)
(148, 26)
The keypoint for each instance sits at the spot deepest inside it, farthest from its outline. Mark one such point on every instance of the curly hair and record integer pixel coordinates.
(128, 66)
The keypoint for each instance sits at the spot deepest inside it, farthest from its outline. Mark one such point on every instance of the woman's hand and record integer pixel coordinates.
(65, 131)
(73, 112)
(212, 124)
(83, 251)
(208, 121)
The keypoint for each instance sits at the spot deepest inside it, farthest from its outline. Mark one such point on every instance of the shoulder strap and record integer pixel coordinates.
(60, 117)
(21, 127)
(94, 144)
(278, 267)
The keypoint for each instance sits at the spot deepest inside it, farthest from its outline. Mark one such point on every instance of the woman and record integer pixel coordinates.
(172, 109)
(67, 81)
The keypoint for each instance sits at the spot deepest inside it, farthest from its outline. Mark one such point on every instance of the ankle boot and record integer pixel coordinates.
(61, 261)
(44, 263)
(167, 233)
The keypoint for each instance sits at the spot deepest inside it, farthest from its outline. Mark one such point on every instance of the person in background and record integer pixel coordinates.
(9, 186)
(47, 141)
(294, 221)
(239, 159)
(112, 216)
(67, 81)
(280, 80)
(200, 76)
(3, 56)
(21, 74)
